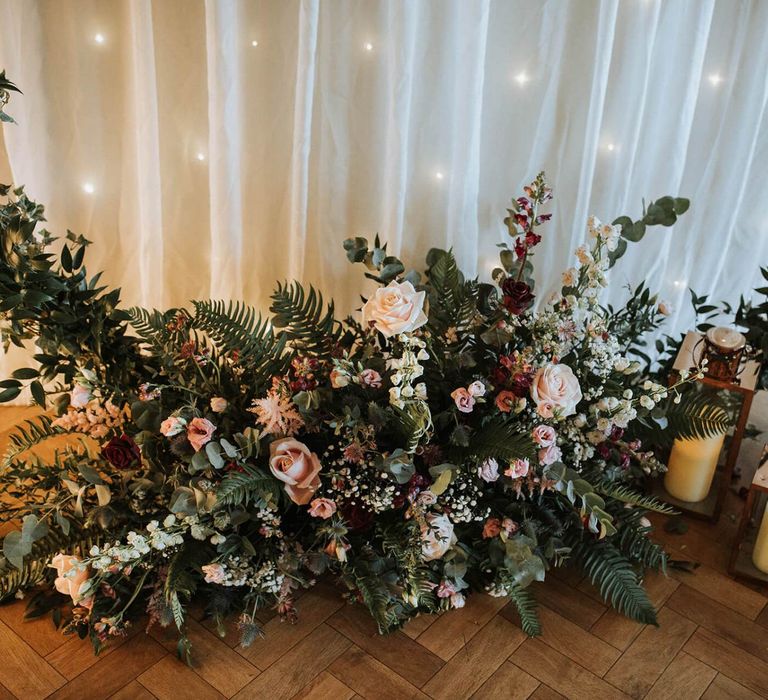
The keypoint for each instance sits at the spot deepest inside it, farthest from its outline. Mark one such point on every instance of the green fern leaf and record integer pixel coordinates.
(526, 607)
(625, 494)
(306, 322)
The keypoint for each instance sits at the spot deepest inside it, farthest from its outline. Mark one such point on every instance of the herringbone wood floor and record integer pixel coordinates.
(712, 643)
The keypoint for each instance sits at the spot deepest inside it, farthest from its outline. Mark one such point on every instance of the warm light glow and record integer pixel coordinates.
(680, 284)
(99, 38)
(200, 156)
(88, 188)
(368, 46)
(254, 43)
(439, 175)
(522, 78)
(611, 147)
(715, 79)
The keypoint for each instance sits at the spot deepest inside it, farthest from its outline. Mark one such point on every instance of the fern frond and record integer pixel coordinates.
(306, 322)
(242, 488)
(614, 576)
(238, 328)
(625, 494)
(635, 543)
(30, 434)
(526, 607)
(35, 568)
(496, 440)
(698, 415)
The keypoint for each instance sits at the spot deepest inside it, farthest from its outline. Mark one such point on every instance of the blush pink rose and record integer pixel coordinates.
(550, 455)
(394, 309)
(172, 425)
(555, 389)
(199, 432)
(370, 378)
(544, 435)
(71, 577)
(489, 470)
(322, 508)
(295, 465)
(464, 401)
(517, 469)
(214, 573)
(79, 396)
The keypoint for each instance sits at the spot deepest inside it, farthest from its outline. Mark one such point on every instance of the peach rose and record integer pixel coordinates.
(292, 462)
(214, 573)
(437, 537)
(396, 308)
(172, 425)
(550, 455)
(544, 435)
(199, 432)
(322, 508)
(517, 469)
(79, 396)
(555, 389)
(464, 401)
(491, 528)
(505, 400)
(71, 579)
(219, 404)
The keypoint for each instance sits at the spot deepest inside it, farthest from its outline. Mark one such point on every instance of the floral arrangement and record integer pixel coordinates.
(448, 438)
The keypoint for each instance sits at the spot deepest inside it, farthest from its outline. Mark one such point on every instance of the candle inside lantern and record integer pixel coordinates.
(692, 467)
(760, 552)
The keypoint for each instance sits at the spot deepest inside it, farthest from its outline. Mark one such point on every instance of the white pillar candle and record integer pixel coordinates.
(760, 552)
(692, 467)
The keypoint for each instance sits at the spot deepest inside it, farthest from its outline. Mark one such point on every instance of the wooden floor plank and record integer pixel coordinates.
(544, 692)
(325, 687)
(298, 667)
(561, 674)
(396, 650)
(41, 634)
(133, 691)
(24, 672)
(569, 601)
(508, 682)
(723, 688)
(647, 657)
(172, 679)
(114, 671)
(370, 678)
(686, 677)
(317, 605)
(453, 629)
(476, 662)
(730, 660)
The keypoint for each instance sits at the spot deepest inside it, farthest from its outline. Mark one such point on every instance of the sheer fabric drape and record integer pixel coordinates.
(232, 144)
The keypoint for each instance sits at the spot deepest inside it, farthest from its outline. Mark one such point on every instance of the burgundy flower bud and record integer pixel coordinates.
(517, 296)
(122, 452)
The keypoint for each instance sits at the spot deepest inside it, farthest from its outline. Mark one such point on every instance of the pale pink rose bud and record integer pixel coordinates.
(219, 404)
(517, 469)
(464, 401)
(509, 526)
(172, 425)
(489, 470)
(370, 378)
(199, 432)
(476, 389)
(446, 589)
(322, 508)
(79, 396)
(550, 455)
(214, 573)
(544, 435)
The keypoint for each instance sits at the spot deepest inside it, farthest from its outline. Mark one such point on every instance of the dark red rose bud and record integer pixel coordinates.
(122, 452)
(517, 296)
(617, 433)
(604, 449)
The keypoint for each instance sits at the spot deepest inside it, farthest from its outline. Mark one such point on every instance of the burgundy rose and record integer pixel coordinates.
(356, 517)
(517, 296)
(604, 450)
(521, 383)
(616, 433)
(121, 452)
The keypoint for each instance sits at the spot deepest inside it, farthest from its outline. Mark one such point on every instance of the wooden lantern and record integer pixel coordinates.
(749, 556)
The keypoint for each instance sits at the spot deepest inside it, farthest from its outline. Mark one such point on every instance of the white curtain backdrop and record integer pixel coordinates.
(232, 144)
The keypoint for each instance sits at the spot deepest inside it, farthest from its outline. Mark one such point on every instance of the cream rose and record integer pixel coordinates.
(295, 465)
(396, 308)
(214, 573)
(436, 537)
(71, 578)
(555, 390)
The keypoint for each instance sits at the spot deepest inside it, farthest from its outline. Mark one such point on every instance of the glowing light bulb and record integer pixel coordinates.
(679, 284)
(522, 78)
(439, 175)
(99, 38)
(88, 188)
(200, 156)
(368, 46)
(254, 43)
(611, 147)
(715, 79)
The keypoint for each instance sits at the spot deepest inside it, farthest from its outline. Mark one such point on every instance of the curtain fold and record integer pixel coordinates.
(214, 147)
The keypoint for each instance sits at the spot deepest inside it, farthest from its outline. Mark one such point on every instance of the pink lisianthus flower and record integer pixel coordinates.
(370, 378)
(517, 469)
(489, 470)
(199, 432)
(172, 425)
(544, 435)
(322, 508)
(464, 401)
(549, 455)
(446, 589)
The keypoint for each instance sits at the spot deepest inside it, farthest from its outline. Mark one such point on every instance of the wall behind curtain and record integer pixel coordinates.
(232, 144)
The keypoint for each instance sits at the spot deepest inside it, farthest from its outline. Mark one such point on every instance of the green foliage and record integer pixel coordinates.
(307, 324)
(613, 575)
(498, 440)
(249, 486)
(753, 318)
(453, 300)
(6, 87)
(526, 607)
(29, 434)
(626, 494)
(383, 268)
